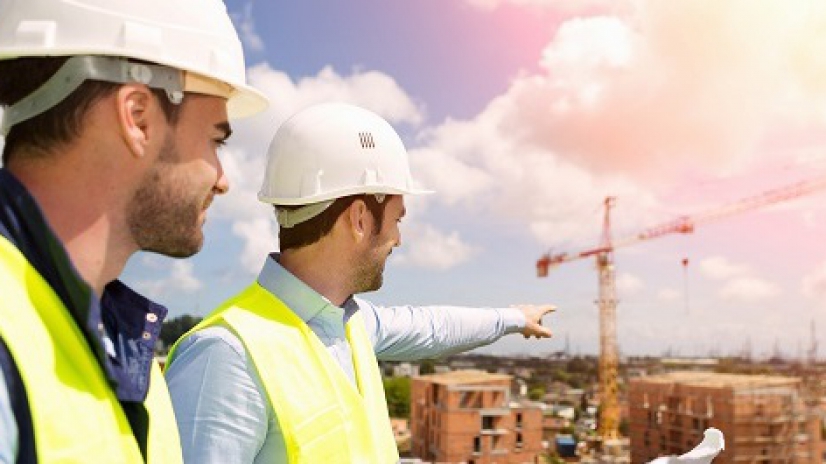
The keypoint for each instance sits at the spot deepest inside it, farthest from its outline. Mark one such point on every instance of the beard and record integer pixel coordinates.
(164, 213)
(369, 275)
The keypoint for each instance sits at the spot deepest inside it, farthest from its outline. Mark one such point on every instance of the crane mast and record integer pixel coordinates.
(608, 421)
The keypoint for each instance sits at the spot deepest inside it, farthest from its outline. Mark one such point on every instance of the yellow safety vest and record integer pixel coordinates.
(324, 418)
(75, 414)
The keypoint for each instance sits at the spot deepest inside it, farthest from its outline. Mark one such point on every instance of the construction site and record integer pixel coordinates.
(743, 397)
(471, 412)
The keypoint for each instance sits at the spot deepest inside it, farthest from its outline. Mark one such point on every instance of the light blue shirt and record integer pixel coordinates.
(220, 404)
(8, 426)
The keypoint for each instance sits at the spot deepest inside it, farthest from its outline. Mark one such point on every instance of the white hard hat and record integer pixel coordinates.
(195, 36)
(332, 150)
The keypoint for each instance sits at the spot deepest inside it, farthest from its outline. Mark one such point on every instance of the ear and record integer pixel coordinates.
(134, 106)
(359, 220)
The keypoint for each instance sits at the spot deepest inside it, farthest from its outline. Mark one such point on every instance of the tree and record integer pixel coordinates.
(397, 392)
(174, 328)
(426, 367)
(536, 393)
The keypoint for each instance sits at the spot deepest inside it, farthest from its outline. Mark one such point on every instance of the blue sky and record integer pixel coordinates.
(524, 115)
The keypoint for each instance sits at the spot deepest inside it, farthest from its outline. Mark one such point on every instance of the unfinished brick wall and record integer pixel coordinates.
(469, 417)
(764, 418)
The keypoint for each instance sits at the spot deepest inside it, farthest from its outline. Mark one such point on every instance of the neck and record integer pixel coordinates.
(320, 267)
(82, 208)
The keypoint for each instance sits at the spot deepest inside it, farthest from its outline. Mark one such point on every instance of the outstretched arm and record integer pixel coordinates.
(409, 333)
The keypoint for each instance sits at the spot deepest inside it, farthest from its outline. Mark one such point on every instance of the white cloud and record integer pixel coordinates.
(632, 95)
(180, 280)
(720, 268)
(669, 294)
(430, 248)
(814, 284)
(373, 90)
(453, 179)
(748, 289)
(481, 166)
(260, 238)
(738, 282)
(644, 100)
(628, 284)
(245, 24)
(244, 169)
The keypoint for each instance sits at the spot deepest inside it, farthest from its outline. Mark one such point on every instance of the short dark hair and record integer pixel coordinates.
(312, 230)
(62, 123)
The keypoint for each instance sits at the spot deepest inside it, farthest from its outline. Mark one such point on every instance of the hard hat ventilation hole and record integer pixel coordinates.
(366, 139)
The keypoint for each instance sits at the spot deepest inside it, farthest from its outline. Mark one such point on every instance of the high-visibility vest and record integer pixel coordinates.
(75, 414)
(322, 415)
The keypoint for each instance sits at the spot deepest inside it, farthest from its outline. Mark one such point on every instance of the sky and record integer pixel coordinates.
(523, 115)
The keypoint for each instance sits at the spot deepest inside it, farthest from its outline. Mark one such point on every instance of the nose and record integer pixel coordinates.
(222, 183)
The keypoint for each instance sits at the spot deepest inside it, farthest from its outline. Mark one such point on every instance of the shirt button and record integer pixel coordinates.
(152, 317)
(147, 335)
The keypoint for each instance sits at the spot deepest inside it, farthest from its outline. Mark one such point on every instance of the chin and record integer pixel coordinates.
(181, 248)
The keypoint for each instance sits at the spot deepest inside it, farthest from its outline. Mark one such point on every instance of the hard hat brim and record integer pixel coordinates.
(246, 101)
(278, 201)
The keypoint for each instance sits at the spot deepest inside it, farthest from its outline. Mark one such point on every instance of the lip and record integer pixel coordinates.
(208, 201)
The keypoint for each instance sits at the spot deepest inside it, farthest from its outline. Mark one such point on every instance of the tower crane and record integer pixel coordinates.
(608, 421)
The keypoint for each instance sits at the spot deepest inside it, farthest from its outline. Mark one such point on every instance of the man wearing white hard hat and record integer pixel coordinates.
(286, 370)
(113, 114)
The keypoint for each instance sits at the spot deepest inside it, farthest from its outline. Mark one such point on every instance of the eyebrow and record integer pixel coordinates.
(404, 211)
(225, 128)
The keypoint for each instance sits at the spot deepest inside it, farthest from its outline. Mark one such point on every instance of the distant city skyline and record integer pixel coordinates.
(523, 115)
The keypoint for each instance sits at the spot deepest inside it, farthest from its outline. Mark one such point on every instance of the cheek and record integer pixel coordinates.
(391, 233)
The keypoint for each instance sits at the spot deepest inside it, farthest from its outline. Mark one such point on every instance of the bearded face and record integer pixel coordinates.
(166, 214)
(369, 270)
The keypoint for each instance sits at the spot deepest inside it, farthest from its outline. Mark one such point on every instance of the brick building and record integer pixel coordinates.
(468, 417)
(764, 418)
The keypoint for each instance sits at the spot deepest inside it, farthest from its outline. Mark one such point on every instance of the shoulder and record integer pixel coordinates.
(207, 363)
(216, 343)
(369, 312)
(365, 307)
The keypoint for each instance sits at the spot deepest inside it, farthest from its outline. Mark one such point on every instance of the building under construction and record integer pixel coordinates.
(764, 418)
(468, 416)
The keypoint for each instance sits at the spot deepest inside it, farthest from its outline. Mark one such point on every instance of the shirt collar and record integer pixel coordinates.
(305, 302)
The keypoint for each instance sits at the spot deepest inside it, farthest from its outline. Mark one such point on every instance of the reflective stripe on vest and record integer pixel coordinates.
(75, 414)
(322, 415)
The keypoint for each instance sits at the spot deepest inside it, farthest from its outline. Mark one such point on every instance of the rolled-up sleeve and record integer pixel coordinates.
(409, 333)
(222, 416)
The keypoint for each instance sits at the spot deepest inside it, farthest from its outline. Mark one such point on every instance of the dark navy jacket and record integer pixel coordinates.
(120, 328)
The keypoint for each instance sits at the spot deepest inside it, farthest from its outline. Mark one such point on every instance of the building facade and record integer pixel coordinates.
(468, 417)
(764, 418)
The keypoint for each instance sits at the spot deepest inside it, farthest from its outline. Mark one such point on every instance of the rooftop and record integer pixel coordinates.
(711, 379)
(464, 377)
